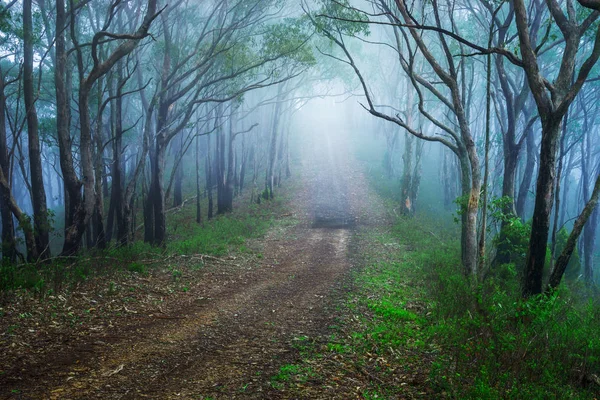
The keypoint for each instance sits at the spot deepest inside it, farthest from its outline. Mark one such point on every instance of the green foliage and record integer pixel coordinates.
(413, 304)
(291, 372)
(288, 39)
(461, 206)
(498, 346)
(340, 16)
(5, 18)
(217, 238)
(137, 268)
(514, 236)
(222, 233)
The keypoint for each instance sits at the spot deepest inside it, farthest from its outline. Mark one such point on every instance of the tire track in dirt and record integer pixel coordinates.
(229, 346)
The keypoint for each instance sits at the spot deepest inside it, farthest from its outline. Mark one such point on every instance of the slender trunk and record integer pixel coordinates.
(209, 184)
(178, 190)
(407, 158)
(270, 176)
(227, 205)
(565, 190)
(527, 174)
(149, 202)
(72, 184)
(98, 220)
(416, 175)
(406, 203)
(563, 259)
(487, 161)
(503, 254)
(557, 208)
(242, 177)
(470, 194)
(126, 229)
(198, 198)
(38, 195)
(24, 220)
(288, 171)
(589, 245)
(9, 246)
(158, 193)
(589, 229)
(116, 193)
(538, 243)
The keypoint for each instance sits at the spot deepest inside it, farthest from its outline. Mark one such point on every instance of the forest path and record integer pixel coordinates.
(230, 341)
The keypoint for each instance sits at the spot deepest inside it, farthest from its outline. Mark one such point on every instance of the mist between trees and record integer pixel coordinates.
(112, 113)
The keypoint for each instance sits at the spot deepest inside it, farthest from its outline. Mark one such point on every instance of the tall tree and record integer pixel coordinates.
(38, 192)
(82, 207)
(553, 101)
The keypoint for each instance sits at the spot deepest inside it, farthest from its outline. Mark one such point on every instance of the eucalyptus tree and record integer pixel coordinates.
(38, 192)
(553, 97)
(226, 50)
(590, 168)
(515, 117)
(9, 247)
(339, 20)
(12, 121)
(93, 60)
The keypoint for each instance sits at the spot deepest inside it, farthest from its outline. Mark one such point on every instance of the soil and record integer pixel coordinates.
(225, 332)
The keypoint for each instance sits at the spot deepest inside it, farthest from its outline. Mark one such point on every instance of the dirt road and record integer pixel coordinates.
(235, 332)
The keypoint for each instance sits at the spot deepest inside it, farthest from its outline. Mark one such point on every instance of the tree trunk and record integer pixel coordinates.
(178, 190)
(24, 220)
(116, 192)
(563, 259)
(149, 202)
(242, 177)
(527, 174)
(209, 175)
(511, 157)
(406, 201)
(198, 197)
(538, 243)
(270, 176)
(9, 247)
(38, 195)
(589, 232)
(72, 184)
(227, 190)
(98, 219)
(470, 208)
(158, 193)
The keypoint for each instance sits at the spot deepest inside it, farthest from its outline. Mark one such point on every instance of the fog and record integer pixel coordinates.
(114, 113)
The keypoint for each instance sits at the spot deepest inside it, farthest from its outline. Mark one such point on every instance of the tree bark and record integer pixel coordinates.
(209, 176)
(198, 197)
(536, 256)
(83, 214)
(9, 247)
(527, 174)
(178, 189)
(24, 220)
(563, 259)
(38, 195)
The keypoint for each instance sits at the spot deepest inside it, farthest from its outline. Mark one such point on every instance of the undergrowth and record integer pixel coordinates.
(415, 327)
(216, 237)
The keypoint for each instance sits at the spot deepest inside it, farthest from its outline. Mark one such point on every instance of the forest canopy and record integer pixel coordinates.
(112, 113)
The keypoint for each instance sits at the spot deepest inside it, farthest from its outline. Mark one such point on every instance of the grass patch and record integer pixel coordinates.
(292, 373)
(377, 348)
(221, 234)
(414, 326)
(218, 237)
